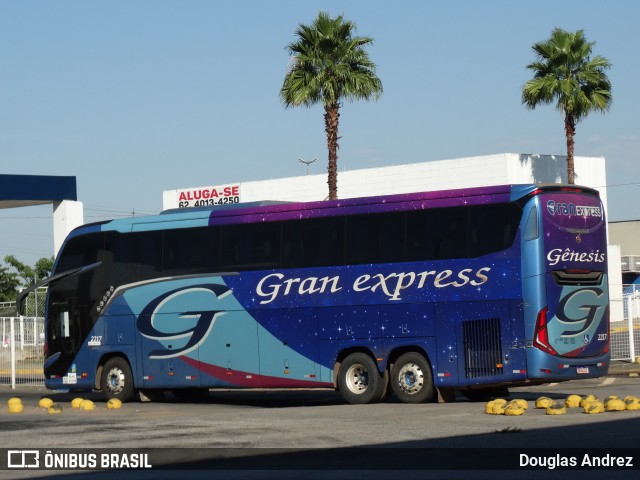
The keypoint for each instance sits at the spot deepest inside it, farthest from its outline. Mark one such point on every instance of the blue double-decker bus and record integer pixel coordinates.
(413, 295)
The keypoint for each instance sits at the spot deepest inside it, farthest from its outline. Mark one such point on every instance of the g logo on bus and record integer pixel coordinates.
(579, 309)
(196, 335)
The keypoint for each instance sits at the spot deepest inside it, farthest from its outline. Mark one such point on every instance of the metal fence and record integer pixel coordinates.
(21, 352)
(625, 335)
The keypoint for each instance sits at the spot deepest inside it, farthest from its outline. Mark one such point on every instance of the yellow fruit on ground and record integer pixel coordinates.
(86, 405)
(75, 403)
(55, 409)
(614, 405)
(573, 401)
(587, 399)
(543, 402)
(610, 397)
(45, 403)
(513, 408)
(521, 402)
(114, 403)
(488, 407)
(16, 408)
(631, 397)
(593, 407)
(556, 409)
(632, 404)
(14, 401)
(498, 408)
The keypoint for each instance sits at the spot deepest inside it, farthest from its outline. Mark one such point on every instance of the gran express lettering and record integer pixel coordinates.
(558, 255)
(275, 285)
(570, 209)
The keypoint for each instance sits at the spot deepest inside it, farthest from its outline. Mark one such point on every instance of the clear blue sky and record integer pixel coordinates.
(137, 97)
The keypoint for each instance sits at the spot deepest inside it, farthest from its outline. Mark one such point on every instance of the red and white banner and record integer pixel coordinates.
(201, 196)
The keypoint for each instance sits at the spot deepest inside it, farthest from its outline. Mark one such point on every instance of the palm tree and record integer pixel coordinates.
(329, 64)
(564, 72)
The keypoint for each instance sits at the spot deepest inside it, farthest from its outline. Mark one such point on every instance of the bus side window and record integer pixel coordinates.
(314, 242)
(147, 251)
(252, 245)
(531, 230)
(375, 238)
(191, 250)
(437, 234)
(492, 228)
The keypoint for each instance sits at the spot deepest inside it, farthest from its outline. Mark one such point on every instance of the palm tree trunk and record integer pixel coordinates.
(570, 131)
(331, 117)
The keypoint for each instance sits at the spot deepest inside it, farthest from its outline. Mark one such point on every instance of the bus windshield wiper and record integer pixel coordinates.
(50, 280)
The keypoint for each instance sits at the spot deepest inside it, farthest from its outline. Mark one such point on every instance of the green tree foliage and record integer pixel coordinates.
(565, 72)
(328, 64)
(17, 275)
(9, 283)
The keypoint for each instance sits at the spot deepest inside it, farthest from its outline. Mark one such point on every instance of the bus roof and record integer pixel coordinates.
(275, 210)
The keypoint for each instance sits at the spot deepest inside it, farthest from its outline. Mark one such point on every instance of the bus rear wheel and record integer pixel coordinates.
(411, 378)
(359, 380)
(116, 380)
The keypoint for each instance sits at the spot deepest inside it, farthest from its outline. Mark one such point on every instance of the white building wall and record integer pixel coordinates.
(67, 215)
(498, 169)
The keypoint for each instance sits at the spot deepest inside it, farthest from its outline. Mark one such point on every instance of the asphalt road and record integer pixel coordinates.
(312, 434)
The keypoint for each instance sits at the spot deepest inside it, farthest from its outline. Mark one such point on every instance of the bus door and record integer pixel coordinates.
(70, 331)
(68, 327)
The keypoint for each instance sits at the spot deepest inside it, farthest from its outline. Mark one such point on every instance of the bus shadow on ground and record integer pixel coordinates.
(596, 442)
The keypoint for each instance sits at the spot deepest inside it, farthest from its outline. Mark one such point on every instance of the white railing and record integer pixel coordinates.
(21, 351)
(625, 334)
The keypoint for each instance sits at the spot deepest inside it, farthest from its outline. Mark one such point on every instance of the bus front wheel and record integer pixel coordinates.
(359, 380)
(117, 380)
(411, 378)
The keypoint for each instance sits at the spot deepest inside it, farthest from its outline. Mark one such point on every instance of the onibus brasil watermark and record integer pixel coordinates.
(50, 460)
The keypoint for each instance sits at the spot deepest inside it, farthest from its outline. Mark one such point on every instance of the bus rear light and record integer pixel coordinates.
(541, 335)
(568, 189)
(545, 370)
(563, 365)
(601, 364)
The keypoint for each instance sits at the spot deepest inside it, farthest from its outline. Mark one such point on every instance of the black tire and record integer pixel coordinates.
(411, 379)
(484, 394)
(116, 380)
(359, 380)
